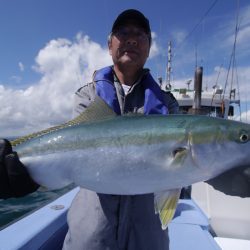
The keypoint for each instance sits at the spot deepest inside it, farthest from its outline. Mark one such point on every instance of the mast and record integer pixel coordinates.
(169, 66)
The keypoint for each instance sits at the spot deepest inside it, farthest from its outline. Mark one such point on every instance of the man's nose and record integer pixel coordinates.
(131, 40)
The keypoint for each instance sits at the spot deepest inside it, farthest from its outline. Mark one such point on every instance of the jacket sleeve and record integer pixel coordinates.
(83, 97)
(235, 182)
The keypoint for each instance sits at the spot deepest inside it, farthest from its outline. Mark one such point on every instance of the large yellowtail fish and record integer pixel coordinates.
(135, 154)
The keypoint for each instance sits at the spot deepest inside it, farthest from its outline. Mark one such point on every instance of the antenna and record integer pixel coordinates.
(169, 66)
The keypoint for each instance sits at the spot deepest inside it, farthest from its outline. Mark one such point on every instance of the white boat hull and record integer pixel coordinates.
(229, 216)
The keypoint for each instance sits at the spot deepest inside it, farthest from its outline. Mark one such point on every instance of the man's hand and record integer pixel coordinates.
(235, 182)
(14, 178)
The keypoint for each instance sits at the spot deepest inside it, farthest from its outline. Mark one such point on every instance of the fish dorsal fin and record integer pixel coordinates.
(98, 110)
(165, 205)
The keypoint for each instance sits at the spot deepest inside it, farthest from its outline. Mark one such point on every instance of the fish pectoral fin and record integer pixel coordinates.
(179, 154)
(165, 205)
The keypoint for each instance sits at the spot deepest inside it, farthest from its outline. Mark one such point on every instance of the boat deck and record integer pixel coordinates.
(46, 228)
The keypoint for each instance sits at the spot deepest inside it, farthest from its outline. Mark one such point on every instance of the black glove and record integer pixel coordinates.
(235, 182)
(14, 178)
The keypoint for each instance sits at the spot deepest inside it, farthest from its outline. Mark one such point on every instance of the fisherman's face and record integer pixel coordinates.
(129, 46)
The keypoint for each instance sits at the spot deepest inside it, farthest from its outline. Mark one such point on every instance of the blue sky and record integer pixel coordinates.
(49, 48)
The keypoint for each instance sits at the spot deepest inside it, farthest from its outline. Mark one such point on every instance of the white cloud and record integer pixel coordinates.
(242, 38)
(178, 36)
(227, 32)
(244, 16)
(65, 65)
(154, 50)
(244, 35)
(16, 79)
(21, 66)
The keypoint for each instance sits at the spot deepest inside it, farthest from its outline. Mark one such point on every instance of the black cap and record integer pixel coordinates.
(132, 15)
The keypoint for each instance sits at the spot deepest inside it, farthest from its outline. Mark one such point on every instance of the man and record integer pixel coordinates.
(99, 221)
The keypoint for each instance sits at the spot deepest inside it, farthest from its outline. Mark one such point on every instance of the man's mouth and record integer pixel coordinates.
(130, 51)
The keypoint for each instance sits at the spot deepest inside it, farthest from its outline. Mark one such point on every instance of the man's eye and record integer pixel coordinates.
(124, 33)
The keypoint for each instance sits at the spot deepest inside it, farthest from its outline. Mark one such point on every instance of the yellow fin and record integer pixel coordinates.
(165, 205)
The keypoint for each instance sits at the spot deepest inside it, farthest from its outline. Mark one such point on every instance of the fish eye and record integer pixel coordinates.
(243, 137)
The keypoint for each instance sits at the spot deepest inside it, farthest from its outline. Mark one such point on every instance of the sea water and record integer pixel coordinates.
(14, 209)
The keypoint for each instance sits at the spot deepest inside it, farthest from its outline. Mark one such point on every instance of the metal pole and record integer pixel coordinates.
(197, 88)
